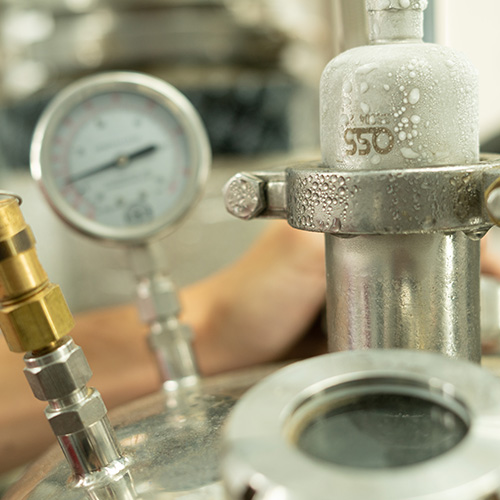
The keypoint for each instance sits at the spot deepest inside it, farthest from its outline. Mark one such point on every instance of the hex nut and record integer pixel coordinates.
(244, 196)
(59, 378)
(34, 323)
(77, 417)
(157, 299)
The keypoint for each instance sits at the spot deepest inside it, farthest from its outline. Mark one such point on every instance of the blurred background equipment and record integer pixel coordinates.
(249, 67)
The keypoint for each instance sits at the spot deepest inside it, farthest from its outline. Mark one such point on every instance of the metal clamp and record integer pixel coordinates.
(316, 198)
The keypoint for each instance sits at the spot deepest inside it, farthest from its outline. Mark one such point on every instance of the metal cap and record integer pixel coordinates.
(372, 5)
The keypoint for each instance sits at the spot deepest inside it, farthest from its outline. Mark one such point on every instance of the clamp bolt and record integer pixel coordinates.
(244, 196)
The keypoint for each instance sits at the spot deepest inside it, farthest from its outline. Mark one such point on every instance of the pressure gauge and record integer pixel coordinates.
(121, 156)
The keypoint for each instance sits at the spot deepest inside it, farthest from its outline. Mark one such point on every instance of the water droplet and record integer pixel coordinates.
(364, 87)
(414, 96)
(367, 68)
(415, 119)
(386, 87)
(402, 136)
(335, 226)
(365, 108)
(409, 153)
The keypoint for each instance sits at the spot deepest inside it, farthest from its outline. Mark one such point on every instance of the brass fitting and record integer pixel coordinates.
(33, 312)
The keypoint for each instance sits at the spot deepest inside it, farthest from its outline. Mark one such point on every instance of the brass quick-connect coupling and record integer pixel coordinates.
(34, 315)
(35, 318)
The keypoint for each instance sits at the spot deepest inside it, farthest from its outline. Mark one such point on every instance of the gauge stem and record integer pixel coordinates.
(159, 307)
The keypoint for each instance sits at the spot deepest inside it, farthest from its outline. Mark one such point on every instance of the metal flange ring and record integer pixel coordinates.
(402, 201)
(301, 432)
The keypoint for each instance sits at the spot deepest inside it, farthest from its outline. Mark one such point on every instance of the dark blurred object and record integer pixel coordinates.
(492, 145)
(249, 118)
(228, 68)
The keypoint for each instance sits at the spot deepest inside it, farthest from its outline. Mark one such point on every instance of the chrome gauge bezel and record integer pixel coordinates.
(162, 93)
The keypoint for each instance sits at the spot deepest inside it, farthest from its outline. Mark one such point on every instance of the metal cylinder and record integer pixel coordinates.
(404, 291)
(394, 107)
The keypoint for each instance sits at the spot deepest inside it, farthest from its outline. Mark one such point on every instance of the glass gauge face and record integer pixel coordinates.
(118, 160)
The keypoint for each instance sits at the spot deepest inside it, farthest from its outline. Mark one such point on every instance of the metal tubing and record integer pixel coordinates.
(404, 291)
(76, 413)
(92, 449)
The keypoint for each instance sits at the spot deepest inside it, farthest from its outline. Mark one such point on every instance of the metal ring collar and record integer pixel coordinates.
(262, 459)
(402, 201)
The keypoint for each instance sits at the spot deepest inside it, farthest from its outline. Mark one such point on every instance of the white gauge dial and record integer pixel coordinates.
(121, 156)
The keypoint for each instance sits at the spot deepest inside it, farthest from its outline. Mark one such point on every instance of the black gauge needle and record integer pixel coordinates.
(121, 161)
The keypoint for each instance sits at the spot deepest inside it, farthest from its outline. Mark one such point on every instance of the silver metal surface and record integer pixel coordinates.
(244, 196)
(397, 177)
(165, 96)
(396, 201)
(76, 413)
(171, 443)
(257, 194)
(262, 458)
(404, 291)
(59, 374)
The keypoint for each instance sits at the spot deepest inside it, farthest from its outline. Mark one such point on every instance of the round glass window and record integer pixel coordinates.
(379, 428)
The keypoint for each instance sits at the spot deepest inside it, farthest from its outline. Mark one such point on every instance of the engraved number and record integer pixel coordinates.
(361, 140)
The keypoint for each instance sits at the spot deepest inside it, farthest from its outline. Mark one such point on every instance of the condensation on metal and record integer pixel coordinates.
(418, 200)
